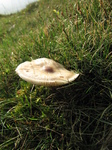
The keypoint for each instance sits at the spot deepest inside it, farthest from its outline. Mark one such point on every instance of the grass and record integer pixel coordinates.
(78, 116)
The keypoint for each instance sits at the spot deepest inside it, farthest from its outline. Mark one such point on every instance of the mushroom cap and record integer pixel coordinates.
(44, 71)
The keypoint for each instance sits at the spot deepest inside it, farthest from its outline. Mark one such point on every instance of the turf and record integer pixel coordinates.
(77, 116)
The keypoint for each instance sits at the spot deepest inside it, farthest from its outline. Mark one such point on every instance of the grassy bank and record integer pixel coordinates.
(78, 116)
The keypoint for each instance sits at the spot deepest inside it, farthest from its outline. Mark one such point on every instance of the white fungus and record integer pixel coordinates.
(46, 72)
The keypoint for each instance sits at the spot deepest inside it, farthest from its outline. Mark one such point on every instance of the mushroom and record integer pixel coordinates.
(46, 72)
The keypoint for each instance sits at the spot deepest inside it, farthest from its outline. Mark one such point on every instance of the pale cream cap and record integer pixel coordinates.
(44, 71)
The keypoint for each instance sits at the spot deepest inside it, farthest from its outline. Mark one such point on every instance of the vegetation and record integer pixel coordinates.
(78, 116)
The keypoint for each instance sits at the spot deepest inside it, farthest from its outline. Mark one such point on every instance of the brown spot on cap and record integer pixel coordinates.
(48, 69)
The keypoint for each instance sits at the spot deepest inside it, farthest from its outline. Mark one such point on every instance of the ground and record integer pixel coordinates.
(77, 116)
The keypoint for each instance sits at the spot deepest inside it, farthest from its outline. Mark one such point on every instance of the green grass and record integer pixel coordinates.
(78, 116)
